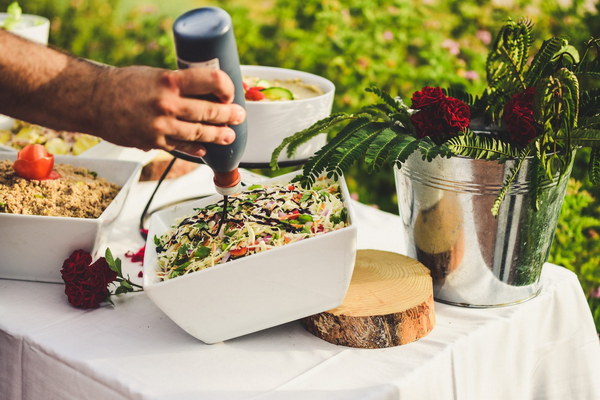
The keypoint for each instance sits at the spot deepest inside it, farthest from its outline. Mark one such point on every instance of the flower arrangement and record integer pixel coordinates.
(542, 109)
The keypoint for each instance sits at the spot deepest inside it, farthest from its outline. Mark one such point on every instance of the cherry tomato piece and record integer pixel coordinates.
(253, 94)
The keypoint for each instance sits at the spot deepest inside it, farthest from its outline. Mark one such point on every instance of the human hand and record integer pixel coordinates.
(150, 108)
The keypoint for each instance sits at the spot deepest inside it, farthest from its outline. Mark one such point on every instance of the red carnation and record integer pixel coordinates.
(86, 286)
(518, 119)
(426, 97)
(438, 115)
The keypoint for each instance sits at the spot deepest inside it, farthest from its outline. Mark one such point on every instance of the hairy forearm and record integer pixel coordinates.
(45, 86)
(133, 106)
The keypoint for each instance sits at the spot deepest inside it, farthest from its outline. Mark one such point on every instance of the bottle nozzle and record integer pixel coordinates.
(229, 182)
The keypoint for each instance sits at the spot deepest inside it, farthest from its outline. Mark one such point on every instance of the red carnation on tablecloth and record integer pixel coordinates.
(86, 283)
(518, 119)
(438, 114)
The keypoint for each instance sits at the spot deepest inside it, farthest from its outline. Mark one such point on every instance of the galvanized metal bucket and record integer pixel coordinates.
(476, 259)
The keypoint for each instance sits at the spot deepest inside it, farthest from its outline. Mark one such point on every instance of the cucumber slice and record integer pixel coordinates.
(263, 83)
(278, 93)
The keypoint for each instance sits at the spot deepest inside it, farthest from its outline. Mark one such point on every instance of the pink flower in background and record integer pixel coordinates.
(388, 35)
(452, 46)
(596, 293)
(484, 36)
(471, 75)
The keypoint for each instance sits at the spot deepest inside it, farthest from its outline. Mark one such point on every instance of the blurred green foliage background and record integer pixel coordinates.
(398, 45)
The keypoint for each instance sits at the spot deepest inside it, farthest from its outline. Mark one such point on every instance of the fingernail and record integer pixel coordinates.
(229, 137)
(239, 115)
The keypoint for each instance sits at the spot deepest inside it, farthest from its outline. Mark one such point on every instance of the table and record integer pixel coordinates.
(546, 348)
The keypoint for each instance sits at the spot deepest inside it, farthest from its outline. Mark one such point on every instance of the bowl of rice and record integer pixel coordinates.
(43, 221)
(282, 253)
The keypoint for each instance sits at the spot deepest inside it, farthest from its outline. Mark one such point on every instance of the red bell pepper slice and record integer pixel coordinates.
(34, 162)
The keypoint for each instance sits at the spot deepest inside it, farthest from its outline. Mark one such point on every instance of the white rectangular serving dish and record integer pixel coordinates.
(34, 247)
(255, 292)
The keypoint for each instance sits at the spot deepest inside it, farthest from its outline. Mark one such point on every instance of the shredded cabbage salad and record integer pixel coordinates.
(258, 219)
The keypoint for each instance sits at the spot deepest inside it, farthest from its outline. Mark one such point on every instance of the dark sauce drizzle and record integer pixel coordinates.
(257, 218)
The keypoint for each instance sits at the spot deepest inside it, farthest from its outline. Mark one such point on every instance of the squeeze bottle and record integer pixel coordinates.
(204, 38)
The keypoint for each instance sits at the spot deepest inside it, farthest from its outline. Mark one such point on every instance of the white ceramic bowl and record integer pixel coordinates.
(34, 247)
(254, 292)
(33, 27)
(271, 122)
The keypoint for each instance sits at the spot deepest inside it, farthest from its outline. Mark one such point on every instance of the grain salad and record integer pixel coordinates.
(78, 193)
(259, 219)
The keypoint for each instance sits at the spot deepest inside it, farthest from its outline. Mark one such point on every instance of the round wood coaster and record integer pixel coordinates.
(389, 303)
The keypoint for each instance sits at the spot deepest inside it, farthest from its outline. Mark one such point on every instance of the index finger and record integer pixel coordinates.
(198, 81)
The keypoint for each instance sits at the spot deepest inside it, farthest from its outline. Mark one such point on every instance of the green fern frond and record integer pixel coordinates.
(508, 55)
(379, 150)
(594, 166)
(548, 51)
(481, 147)
(353, 148)
(430, 150)
(588, 102)
(591, 122)
(319, 161)
(387, 99)
(514, 171)
(584, 137)
(460, 94)
(588, 74)
(403, 149)
(304, 135)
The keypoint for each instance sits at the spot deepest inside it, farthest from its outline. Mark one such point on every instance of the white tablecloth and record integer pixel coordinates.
(545, 348)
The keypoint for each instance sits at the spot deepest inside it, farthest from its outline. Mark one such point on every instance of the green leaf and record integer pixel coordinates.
(548, 52)
(514, 171)
(353, 148)
(481, 147)
(305, 135)
(126, 284)
(202, 252)
(387, 99)
(460, 94)
(403, 149)
(113, 264)
(594, 166)
(320, 160)
(379, 149)
(121, 290)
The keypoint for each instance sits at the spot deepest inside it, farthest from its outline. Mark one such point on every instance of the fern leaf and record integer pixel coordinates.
(549, 49)
(306, 134)
(594, 167)
(481, 147)
(589, 101)
(319, 161)
(353, 148)
(387, 99)
(584, 137)
(591, 122)
(377, 110)
(379, 150)
(508, 181)
(430, 150)
(508, 55)
(402, 149)
(460, 94)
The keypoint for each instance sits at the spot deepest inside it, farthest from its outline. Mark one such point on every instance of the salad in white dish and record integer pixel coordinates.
(259, 219)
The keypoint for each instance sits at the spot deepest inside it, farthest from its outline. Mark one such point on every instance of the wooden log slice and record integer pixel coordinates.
(389, 303)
